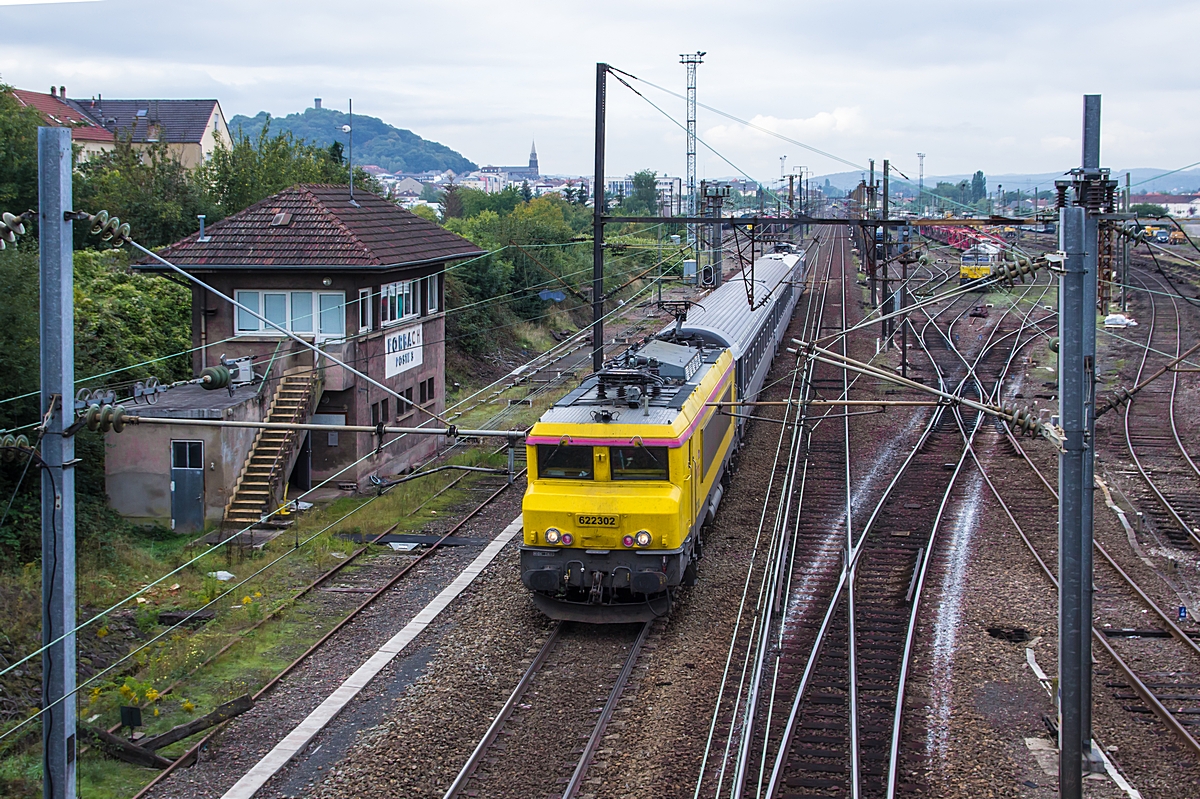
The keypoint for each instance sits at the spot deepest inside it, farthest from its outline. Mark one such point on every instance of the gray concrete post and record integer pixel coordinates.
(57, 331)
(1071, 627)
(1091, 262)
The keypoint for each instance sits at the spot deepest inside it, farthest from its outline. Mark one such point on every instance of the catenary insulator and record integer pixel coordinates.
(102, 418)
(215, 377)
(1021, 420)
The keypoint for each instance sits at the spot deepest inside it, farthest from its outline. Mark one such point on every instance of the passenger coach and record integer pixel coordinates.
(625, 470)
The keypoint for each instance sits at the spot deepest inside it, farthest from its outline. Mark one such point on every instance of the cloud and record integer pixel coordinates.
(847, 121)
(971, 88)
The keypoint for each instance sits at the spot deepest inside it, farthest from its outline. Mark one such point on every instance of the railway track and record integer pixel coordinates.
(1168, 471)
(1170, 687)
(370, 584)
(843, 673)
(1172, 690)
(750, 643)
(562, 705)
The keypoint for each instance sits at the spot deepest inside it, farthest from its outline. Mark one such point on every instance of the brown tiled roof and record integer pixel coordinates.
(324, 230)
(63, 115)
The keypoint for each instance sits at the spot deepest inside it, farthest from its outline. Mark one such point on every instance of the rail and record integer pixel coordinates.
(459, 786)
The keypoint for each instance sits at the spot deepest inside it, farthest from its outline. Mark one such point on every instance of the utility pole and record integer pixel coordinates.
(57, 344)
(887, 298)
(1079, 218)
(1125, 252)
(598, 204)
(869, 232)
(906, 258)
(691, 61)
(1071, 624)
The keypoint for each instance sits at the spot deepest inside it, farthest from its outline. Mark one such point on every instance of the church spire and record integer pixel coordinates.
(533, 161)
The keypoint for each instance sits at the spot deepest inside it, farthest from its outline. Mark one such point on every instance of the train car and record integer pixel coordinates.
(977, 262)
(626, 470)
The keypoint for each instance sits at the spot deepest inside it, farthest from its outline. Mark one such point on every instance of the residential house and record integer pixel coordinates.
(668, 189)
(407, 187)
(358, 277)
(1177, 205)
(58, 111)
(189, 127)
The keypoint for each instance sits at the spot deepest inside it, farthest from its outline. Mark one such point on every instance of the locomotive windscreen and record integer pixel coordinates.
(557, 460)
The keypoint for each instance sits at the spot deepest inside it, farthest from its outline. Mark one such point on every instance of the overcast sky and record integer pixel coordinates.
(973, 85)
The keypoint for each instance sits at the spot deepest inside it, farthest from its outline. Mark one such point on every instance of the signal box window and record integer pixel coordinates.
(563, 462)
(639, 463)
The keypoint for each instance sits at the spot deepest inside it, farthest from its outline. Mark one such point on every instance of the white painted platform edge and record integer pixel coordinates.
(297, 739)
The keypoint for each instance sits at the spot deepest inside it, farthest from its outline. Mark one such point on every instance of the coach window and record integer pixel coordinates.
(639, 463)
(714, 432)
(564, 462)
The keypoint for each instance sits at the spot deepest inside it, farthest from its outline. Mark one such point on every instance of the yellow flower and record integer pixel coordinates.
(187, 706)
(126, 692)
(156, 711)
(103, 631)
(258, 594)
(152, 696)
(94, 695)
(246, 600)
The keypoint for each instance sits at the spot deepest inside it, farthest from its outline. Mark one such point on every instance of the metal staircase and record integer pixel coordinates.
(259, 488)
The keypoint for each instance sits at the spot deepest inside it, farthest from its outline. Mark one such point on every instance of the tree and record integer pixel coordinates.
(18, 153)
(430, 193)
(425, 212)
(978, 187)
(1148, 209)
(475, 202)
(121, 318)
(247, 170)
(452, 204)
(526, 192)
(643, 200)
(148, 187)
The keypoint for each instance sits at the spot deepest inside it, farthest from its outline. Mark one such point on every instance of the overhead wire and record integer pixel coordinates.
(82, 625)
(683, 127)
(776, 134)
(288, 552)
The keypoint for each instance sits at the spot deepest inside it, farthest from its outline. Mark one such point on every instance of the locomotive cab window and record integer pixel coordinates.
(639, 463)
(564, 462)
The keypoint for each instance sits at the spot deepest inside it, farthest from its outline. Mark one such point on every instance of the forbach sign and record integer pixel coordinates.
(402, 350)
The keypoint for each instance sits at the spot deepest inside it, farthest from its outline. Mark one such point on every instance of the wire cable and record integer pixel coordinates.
(560, 346)
(683, 127)
(777, 135)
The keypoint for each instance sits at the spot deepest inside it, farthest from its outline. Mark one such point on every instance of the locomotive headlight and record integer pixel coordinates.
(643, 538)
(552, 535)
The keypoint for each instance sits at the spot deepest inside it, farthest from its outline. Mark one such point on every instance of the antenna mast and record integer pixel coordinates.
(920, 179)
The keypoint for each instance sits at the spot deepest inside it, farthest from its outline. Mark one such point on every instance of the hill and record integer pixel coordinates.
(375, 141)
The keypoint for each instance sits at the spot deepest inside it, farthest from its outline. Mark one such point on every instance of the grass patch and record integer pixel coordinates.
(255, 656)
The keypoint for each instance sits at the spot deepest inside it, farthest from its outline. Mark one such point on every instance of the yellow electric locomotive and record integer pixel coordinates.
(977, 262)
(626, 469)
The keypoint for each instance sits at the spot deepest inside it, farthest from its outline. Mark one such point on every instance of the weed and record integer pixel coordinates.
(213, 588)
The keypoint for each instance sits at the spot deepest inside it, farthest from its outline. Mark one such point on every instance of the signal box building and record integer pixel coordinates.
(360, 278)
